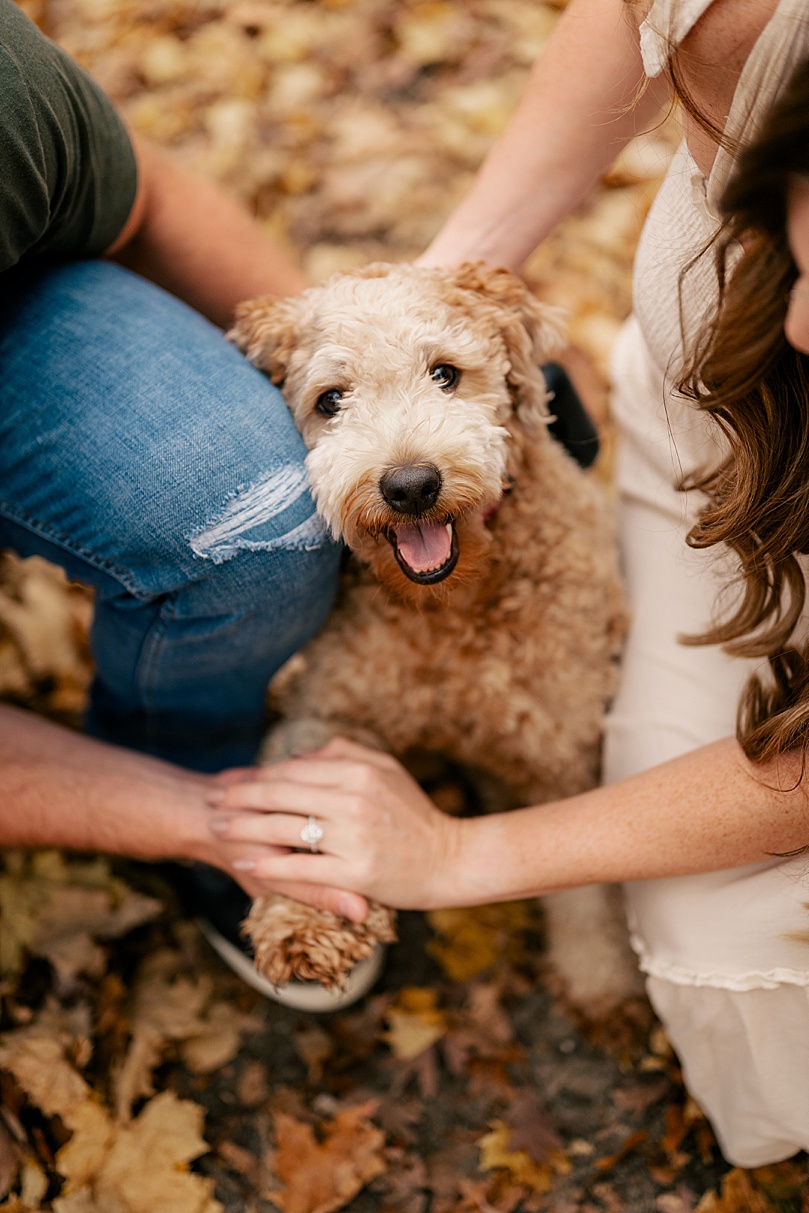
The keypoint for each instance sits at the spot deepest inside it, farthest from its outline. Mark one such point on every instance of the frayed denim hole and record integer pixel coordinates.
(254, 505)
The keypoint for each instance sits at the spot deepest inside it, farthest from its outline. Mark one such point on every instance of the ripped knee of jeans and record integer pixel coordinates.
(273, 514)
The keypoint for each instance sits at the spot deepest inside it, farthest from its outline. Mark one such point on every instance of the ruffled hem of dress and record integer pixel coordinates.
(771, 979)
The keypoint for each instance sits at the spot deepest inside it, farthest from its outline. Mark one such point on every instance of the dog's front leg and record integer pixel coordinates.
(588, 949)
(296, 942)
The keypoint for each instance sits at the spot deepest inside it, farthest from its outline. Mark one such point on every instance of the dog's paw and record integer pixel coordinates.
(291, 738)
(295, 942)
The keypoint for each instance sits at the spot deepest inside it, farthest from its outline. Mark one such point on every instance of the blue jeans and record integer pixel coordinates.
(143, 454)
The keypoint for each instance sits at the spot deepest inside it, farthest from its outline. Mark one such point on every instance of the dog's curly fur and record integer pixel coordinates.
(506, 663)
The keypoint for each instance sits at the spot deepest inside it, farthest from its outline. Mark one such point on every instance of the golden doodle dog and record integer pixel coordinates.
(481, 613)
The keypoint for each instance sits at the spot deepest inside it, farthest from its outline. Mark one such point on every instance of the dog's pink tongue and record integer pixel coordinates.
(424, 546)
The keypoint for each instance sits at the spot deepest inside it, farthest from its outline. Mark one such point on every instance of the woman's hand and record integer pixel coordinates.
(382, 836)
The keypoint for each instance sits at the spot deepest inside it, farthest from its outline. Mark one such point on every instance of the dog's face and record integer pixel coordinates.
(410, 387)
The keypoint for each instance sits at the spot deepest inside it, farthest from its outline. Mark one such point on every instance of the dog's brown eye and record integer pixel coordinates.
(328, 403)
(445, 375)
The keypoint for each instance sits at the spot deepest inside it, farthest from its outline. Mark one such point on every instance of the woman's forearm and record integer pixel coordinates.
(584, 101)
(708, 810)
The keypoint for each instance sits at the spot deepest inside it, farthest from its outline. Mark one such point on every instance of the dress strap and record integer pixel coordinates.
(663, 29)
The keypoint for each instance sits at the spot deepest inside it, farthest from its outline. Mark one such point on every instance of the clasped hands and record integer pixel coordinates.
(383, 838)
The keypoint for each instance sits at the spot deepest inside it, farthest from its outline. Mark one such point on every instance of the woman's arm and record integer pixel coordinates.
(585, 99)
(60, 789)
(188, 236)
(708, 810)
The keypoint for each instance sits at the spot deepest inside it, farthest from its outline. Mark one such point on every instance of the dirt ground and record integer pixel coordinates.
(137, 1075)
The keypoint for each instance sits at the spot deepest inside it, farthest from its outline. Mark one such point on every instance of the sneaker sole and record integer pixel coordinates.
(299, 995)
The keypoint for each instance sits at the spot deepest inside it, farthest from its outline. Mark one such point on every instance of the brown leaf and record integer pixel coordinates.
(628, 1145)
(251, 1085)
(532, 1129)
(9, 1161)
(610, 1201)
(321, 1176)
(638, 1097)
(171, 1007)
(404, 1186)
(681, 1201)
(739, 1194)
(314, 1047)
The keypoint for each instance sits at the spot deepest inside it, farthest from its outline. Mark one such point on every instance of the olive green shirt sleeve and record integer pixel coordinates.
(67, 168)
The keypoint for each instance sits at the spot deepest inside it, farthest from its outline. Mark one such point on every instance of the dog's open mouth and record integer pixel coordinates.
(427, 551)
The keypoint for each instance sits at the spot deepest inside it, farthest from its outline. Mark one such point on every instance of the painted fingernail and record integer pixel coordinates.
(218, 825)
(244, 865)
(215, 796)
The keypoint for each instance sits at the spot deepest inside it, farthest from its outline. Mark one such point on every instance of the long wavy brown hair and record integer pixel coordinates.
(755, 386)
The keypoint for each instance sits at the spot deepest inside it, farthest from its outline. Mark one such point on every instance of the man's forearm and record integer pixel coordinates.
(584, 100)
(708, 810)
(59, 788)
(189, 237)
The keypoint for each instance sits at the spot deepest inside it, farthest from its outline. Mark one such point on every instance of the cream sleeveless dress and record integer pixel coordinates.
(725, 971)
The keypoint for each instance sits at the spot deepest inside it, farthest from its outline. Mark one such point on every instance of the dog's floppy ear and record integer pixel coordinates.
(265, 330)
(533, 332)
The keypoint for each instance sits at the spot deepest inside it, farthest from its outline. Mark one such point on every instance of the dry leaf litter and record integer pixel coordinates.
(136, 1074)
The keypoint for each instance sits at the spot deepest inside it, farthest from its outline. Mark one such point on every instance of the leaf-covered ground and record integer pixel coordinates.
(137, 1075)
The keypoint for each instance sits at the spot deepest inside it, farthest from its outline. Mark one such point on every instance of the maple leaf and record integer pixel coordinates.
(146, 1170)
(54, 907)
(414, 1022)
(136, 1168)
(496, 1154)
(739, 1194)
(83, 1157)
(321, 1176)
(170, 1006)
(532, 1129)
(35, 1055)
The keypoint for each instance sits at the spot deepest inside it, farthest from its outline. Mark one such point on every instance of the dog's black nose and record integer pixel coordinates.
(411, 490)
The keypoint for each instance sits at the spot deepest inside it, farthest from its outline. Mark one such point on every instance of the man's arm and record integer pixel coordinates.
(61, 789)
(188, 236)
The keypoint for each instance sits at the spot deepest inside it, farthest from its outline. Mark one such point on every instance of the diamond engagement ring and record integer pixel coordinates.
(311, 834)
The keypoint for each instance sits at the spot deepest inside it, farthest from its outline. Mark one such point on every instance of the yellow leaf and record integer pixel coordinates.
(414, 1023)
(81, 1159)
(470, 941)
(82, 1201)
(34, 1184)
(495, 1155)
(36, 1059)
(146, 1170)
